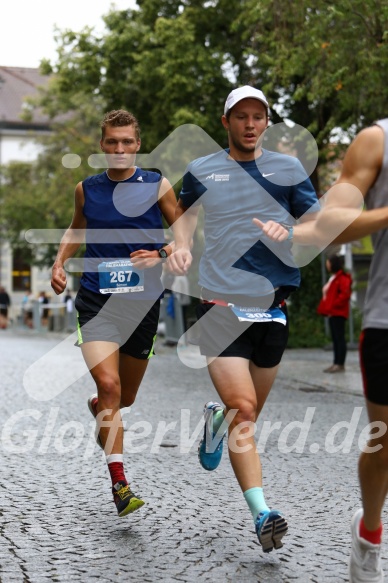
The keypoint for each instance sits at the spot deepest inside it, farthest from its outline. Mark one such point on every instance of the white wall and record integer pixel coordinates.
(18, 146)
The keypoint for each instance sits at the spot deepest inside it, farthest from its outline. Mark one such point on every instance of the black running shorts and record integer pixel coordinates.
(130, 323)
(374, 364)
(263, 343)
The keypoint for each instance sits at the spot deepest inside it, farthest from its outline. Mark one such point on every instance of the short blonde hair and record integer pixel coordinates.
(120, 118)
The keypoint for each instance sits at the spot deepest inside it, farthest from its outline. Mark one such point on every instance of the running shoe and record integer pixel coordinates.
(211, 446)
(271, 527)
(365, 563)
(92, 404)
(125, 500)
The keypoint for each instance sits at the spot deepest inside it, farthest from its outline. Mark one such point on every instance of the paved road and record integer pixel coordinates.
(59, 523)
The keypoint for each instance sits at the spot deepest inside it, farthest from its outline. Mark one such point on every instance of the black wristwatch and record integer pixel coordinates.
(163, 253)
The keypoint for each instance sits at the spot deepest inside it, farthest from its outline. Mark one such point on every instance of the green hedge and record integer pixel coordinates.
(307, 328)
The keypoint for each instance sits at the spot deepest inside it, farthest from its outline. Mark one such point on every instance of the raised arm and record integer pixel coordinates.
(361, 167)
(70, 242)
(341, 218)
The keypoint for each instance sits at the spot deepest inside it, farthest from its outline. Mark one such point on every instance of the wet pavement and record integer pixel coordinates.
(58, 520)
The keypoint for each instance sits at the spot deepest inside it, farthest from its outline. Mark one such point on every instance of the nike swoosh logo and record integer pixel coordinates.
(270, 174)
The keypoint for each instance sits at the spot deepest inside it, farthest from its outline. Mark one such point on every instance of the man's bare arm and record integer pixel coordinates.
(361, 167)
(145, 258)
(184, 228)
(70, 242)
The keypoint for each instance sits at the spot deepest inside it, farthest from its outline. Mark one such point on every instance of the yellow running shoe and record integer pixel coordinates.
(125, 500)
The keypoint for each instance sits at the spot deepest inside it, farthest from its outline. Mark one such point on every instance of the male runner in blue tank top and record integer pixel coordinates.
(242, 282)
(118, 302)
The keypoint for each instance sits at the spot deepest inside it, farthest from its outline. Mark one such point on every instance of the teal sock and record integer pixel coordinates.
(218, 419)
(255, 500)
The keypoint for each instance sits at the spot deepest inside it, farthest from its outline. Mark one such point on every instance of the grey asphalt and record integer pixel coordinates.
(58, 521)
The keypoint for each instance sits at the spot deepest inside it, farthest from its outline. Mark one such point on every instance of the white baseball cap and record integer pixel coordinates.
(243, 93)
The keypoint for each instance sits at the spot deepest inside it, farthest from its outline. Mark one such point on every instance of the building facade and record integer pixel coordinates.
(18, 142)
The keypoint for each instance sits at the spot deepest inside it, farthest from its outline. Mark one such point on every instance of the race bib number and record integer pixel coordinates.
(119, 277)
(259, 315)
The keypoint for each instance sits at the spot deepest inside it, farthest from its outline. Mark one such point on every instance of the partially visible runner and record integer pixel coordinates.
(365, 174)
(366, 167)
(121, 212)
(5, 302)
(242, 281)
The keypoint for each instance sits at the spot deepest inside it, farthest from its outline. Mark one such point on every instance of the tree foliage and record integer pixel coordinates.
(40, 195)
(324, 62)
(307, 329)
(162, 63)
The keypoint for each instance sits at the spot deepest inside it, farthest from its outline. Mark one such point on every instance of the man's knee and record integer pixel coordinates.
(245, 412)
(377, 453)
(127, 399)
(108, 388)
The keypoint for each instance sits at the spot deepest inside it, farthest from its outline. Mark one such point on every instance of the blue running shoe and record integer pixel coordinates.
(211, 446)
(271, 527)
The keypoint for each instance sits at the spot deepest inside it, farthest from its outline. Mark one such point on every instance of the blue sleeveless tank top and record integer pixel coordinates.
(122, 217)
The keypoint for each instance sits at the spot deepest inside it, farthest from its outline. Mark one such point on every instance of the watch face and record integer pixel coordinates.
(163, 253)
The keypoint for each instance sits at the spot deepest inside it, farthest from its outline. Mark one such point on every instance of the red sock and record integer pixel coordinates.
(372, 536)
(116, 470)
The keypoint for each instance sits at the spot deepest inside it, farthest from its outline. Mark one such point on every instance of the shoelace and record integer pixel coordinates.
(124, 493)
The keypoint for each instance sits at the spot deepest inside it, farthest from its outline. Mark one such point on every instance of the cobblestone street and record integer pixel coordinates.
(59, 522)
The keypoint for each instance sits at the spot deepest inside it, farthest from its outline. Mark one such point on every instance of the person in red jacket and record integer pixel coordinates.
(335, 304)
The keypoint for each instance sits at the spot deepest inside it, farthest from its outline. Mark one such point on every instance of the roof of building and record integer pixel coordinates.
(17, 83)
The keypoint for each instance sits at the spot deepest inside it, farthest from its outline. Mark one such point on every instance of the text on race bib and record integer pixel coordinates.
(119, 277)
